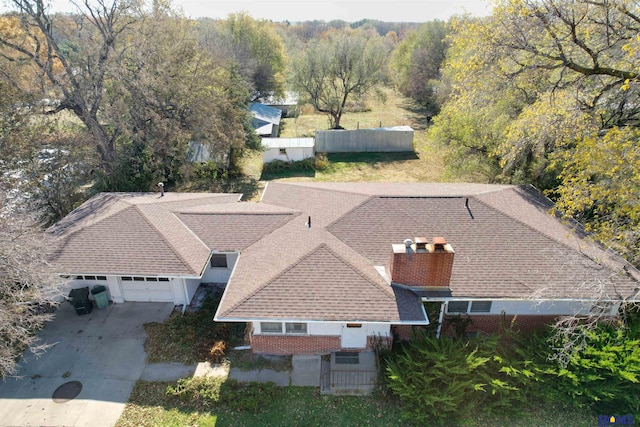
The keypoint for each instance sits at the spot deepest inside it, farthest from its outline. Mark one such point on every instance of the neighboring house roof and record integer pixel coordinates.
(264, 118)
(288, 142)
(289, 98)
(133, 234)
(200, 152)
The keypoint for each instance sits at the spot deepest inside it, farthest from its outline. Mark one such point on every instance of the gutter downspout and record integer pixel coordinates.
(440, 319)
(186, 296)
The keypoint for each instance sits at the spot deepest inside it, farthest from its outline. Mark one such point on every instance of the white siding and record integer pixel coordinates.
(220, 275)
(335, 329)
(526, 307)
(192, 287)
(541, 308)
(294, 154)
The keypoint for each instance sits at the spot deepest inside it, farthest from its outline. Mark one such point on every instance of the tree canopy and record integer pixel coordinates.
(344, 65)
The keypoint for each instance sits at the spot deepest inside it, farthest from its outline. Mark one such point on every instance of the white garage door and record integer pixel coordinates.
(148, 289)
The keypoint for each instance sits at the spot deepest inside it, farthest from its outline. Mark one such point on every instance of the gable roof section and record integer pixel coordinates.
(304, 291)
(132, 234)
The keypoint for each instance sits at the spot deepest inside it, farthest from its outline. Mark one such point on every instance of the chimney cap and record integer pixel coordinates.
(439, 241)
(421, 241)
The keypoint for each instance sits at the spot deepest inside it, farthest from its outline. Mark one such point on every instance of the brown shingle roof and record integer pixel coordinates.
(133, 233)
(321, 285)
(507, 246)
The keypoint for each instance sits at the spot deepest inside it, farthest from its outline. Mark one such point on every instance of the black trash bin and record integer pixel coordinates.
(79, 299)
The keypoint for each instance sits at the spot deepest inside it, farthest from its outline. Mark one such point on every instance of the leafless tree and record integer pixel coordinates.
(28, 287)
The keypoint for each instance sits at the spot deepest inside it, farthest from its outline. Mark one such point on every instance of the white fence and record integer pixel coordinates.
(397, 138)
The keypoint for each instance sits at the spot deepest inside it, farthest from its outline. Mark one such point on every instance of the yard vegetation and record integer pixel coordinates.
(506, 380)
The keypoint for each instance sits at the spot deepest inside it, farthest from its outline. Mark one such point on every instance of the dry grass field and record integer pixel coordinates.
(425, 165)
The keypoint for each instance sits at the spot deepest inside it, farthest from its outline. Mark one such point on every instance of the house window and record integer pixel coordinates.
(89, 277)
(139, 279)
(126, 278)
(163, 279)
(219, 261)
(480, 306)
(296, 328)
(457, 306)
(271, 327)
(101, 277)
(283, 151)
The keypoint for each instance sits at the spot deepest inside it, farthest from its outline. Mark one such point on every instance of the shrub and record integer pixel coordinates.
(605, 374)
(434, 378)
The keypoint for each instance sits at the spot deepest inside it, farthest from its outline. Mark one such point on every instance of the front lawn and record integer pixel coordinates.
(149, 405)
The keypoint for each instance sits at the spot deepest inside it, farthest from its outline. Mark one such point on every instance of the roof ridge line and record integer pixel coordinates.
(159, 233)
(367, 200)
(311, 187)
(356, 270)
(560, 242)
(268, 282)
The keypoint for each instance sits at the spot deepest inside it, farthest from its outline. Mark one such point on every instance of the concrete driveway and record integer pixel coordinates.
(103, 351)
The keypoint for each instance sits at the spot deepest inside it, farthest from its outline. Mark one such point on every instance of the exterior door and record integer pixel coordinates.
(354, 335)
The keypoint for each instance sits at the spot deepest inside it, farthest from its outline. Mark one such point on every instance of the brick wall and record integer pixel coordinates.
(491, 324)
(422, 268)
(313, 344)
(290, 344)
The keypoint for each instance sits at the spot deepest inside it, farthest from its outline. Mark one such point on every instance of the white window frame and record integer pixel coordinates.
(273, 332)
(290, 328)
(480, 307)
(465, 311)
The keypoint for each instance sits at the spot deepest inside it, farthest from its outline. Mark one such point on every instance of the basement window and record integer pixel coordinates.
(457, 306)
(296, 328)
(271, 327)
(283, 151)
(219, 261)
(480, 306)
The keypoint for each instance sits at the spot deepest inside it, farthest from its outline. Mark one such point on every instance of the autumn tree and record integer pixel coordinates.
(253, 45)
(78, 76)
(170, 92)
(556, 84)
(416, 63)
(344, 65)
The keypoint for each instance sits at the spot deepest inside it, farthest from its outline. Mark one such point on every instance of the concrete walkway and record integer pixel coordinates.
(103, 351)
(305, 372)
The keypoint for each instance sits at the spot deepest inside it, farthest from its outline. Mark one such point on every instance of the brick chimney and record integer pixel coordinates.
(422, 264)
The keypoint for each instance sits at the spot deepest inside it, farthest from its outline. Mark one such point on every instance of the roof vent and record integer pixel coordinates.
(408, 243)
(161, 185)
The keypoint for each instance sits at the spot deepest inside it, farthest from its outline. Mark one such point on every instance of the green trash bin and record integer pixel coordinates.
(100, 296)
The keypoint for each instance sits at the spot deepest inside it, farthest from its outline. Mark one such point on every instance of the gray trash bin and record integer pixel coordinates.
(100, 296)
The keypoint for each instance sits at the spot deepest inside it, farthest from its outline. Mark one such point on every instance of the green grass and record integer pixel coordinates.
(426, 164)
(149, 405)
